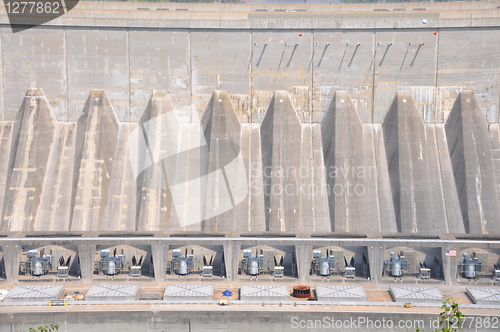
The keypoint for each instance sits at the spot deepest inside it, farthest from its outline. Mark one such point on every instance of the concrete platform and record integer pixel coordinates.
(416, 294)
(34, 293)
(188, 292)
(264, 293)
(340, 293)
(484, 295)
(109, 292)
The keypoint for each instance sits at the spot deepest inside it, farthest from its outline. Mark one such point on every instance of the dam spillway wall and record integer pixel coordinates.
(220, 175)
(336, 125)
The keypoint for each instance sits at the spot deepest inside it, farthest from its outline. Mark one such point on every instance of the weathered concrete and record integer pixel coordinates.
(281, 135)
(351, 172)
(159, 253)
(158, 318)
(85, 180)
(254, 206)
(313, 190)
(96, 143)
(471, 155)
(366, 161)
(153, 204)
(123, 209)
(55, 204)
(84, 185)
(113, 292)
(33, 136)
(225, 189)
(12, 258)
(6, 131)
(250, 53)
(120, 206)
(415, 171)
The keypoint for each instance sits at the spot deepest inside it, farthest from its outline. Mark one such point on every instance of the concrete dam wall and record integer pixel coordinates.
(158, 320)
(240, 120)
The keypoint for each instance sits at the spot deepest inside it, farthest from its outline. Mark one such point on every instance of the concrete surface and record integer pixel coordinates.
(471, 154)
(34, 293)
(358, 87)
(113, 292)
(337, 293)
(416, 294)
(158, 315)
(265, 293)
(229, 318)
(417, 173)
(409, 116)
(70, 169)
(484, 295)
(192, 292)
(355, 178)
(249, 53)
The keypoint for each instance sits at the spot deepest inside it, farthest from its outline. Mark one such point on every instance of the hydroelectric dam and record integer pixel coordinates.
(280, 130)
(402, 102)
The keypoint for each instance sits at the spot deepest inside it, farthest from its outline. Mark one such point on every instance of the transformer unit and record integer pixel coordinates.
(323, 265)
(208, 268)
(38, 265)
(396, 266)
(469, 267)
(181, 265)
(136, 268)
(279, 269)
(251, 264)
(63, 269)
(350, 270)
(424, 272)
(110, 265)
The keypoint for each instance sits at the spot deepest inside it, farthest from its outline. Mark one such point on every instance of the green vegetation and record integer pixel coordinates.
(450, 318)
(47, 328)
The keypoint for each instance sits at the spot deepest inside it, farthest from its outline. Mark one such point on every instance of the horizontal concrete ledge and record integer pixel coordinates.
(264, 304)
(260, 240)
(4, 305)
(223, 320)
(320, 7)
(49, 236)
(278, 16)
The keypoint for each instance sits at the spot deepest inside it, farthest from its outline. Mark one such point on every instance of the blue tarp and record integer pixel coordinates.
(227, 293)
